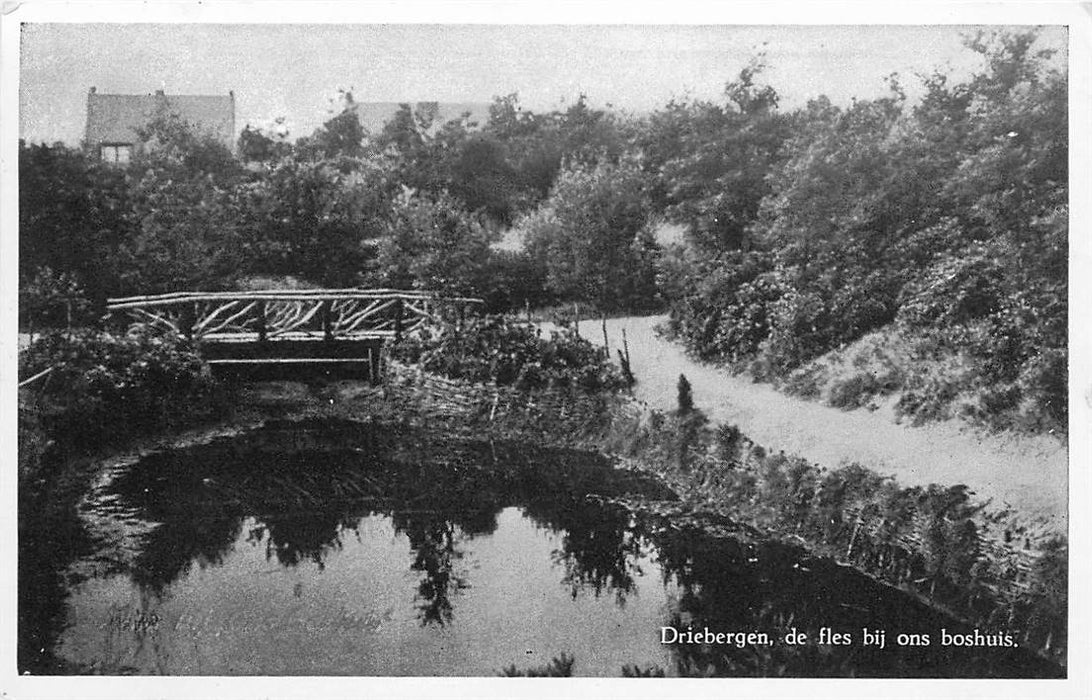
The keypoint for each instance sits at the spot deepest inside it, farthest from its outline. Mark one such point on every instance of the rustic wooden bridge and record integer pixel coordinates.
(310, 327)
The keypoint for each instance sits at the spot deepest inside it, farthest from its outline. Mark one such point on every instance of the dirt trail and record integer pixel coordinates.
(1027, 473)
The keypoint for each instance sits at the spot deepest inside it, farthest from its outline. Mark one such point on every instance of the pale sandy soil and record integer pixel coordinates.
(1027, 474)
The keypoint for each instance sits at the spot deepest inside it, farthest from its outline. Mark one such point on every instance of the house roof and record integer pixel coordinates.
(116, 118)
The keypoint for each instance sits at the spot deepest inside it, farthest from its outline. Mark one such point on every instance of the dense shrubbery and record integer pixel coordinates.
(104, 387)
(498, 350)
(947, 218)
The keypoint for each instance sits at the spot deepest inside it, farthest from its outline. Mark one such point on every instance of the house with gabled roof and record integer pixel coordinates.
(114, 121)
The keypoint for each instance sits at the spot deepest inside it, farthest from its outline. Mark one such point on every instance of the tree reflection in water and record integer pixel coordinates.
(438, 496)
(300, 537)
(599, 547)
(433, 541)
(170, 550)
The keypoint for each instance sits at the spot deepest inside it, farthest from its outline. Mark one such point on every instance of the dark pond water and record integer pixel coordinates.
(309, 549)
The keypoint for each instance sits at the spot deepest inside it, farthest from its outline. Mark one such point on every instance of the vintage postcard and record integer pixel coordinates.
(410, 350)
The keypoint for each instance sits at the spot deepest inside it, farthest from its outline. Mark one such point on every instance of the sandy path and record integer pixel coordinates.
(1027, 473)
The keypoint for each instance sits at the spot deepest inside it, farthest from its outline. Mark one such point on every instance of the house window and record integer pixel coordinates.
(118, 153)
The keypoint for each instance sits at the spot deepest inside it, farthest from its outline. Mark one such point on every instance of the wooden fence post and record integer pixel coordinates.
(398, 311)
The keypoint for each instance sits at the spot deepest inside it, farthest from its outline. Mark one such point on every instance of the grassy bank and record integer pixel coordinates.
(924, 377)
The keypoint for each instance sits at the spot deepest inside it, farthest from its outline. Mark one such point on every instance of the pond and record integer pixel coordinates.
(340, 548)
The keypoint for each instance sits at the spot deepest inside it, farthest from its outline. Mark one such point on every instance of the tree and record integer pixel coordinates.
(253, 145)
(72, 218)
(317, 220)
(185, 225)
(478, 173)
(170, 144)
(186, 233)
(432, 243)
(712, 161)
(533, 149)
(340, 136)
(424, 154)
(589, 135)
(264, 145)
(592, 236)
(508, 120)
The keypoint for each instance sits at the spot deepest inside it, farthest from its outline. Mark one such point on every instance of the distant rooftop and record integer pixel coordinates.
(115, 119)
(373, 115)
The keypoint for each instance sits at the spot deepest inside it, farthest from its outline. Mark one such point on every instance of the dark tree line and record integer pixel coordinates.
(805, 229)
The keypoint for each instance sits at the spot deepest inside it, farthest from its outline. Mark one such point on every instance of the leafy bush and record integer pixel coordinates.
(105, 387)
(963, 286)
(854, 392)
(805, 382)
(1045, 379)
(593, 239)
(33, 444)
(52, 300)
(499, 350)
(799, 328)
(728, 441)
(721, 308)
(928, 404)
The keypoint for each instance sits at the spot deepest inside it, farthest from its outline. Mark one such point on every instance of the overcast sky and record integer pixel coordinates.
(293, 70)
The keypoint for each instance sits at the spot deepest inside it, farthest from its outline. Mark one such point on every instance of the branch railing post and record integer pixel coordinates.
(398, 314)
(188, 320)
(262, 329)
(327, 325)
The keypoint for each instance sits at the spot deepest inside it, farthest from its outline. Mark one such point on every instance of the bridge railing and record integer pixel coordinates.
(297, 314)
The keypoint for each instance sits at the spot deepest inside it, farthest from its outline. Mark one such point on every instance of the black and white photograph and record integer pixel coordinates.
(365, 348)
